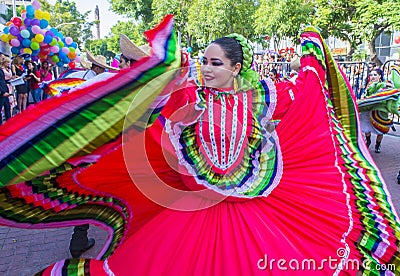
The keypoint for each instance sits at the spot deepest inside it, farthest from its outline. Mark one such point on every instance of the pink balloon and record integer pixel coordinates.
(23, 15)
(69, 40)
(65, 50)
(78, 58)
(36, 5)
(36, 29)
(15, 42)
(54, 49)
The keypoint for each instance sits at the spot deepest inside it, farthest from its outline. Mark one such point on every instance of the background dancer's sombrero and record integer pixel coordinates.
(99, 60)
(130, 50)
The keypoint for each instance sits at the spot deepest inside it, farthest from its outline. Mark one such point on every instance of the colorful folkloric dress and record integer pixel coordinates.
(382, 99)
(205, 181)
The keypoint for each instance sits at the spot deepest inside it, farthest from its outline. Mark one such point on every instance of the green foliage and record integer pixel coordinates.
(210, 19)
(282, 19)
(133, 31)
(65, 11)
(136, 9)
(179, 8)
(99, 47)
(201, 21)
(4, 18)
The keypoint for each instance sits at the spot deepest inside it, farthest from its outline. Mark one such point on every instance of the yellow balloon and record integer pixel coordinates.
(10, 36)
(28, 51)
(39, 37)
(46, 15)
(4, 38)
(34, 39)
(39, 14)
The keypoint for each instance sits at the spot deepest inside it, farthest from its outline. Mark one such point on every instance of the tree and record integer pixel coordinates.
(373, 18)
(138, 9)
(65, 11)
(180, 9)
(100, 47)
(282, 19)
(336, 18)
(133, 31)
(210, 19)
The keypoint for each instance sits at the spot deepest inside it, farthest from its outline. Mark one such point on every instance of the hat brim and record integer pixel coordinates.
(96, 62)
(130, 50)
(24, 55)
(86, 64)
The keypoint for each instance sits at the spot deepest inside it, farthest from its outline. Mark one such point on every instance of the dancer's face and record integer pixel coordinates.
(217, 69)
(374, 76)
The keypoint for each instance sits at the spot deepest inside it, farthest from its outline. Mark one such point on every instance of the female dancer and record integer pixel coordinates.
(374, 112)
(225, 180)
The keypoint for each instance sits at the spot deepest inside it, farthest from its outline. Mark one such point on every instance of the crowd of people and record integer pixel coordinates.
(23, 78)
(211, 174)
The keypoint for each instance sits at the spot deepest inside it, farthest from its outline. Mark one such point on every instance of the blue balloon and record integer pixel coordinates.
(30, 15)
(6, 30)
(35, 52)
(47, 39)
(74, 44)
(60, 64)
(62, 55)
(25, 34)
(26, 42)
(15, 50)
(30, 9)
(44, 23)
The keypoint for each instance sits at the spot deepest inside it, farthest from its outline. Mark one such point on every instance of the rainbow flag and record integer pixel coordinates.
(59, 86)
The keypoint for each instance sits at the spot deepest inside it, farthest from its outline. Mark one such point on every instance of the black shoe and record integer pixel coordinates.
(78, 253)
(378, 149)
(398, 179)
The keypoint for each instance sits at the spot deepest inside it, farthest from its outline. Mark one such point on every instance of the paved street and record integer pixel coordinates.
(24, 252)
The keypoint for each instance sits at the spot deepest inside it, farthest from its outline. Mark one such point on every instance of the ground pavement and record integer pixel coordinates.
(25, 252)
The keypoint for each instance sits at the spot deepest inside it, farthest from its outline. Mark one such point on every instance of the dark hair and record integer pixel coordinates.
(273, 70)
(232, 49)
(131, 60)
(379, 71)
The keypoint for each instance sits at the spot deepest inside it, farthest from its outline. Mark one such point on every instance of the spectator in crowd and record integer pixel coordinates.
(34, 84)
(5, 65)
(46, 74)
(4, 93)
(19, 70)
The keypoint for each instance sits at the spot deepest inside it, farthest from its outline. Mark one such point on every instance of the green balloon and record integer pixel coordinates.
(55, 58)
(35, 46)
(53, 42)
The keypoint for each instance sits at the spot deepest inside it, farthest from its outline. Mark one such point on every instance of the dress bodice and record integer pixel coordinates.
(230, 148)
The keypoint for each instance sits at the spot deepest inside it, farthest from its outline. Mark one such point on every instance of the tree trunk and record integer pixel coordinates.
(373, 56)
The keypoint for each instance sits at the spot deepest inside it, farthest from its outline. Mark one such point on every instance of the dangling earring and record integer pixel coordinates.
(235, 84)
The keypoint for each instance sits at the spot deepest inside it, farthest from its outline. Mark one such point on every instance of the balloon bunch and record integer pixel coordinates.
(32, 34)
